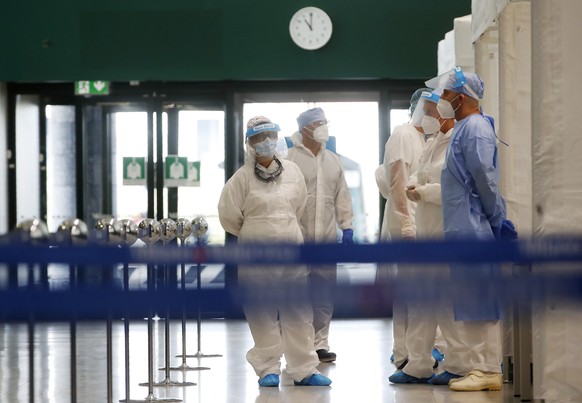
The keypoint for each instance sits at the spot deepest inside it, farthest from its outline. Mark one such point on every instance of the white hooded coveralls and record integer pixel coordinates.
(401, 158)
(256, 211)
(329, 205)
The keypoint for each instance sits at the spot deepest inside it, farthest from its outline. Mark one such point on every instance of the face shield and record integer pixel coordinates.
(457, 81)
(426, 115)
(263, 141)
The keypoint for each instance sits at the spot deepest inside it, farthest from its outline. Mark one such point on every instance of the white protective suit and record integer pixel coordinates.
(256, 211)
(401, 158)
(329, 205)
(424, 314)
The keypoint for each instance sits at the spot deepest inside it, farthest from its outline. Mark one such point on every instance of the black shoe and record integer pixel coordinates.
(325, 356)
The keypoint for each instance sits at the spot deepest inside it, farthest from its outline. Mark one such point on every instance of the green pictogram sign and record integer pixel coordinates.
(181, 172)
(134, 172)
(92, 88)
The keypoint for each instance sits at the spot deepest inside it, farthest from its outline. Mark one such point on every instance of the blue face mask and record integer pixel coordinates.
(266, 148)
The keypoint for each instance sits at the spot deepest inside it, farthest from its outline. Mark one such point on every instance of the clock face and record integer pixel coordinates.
(310, 28)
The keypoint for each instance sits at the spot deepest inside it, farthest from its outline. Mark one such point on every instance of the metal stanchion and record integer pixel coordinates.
(149, 232)
(128, 238)
(73, 232)
(199, 229)
(167, 234)
(31, 231)
(183, 231)
(109, 231)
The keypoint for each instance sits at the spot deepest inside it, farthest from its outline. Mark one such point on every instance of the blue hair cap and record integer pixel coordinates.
(310, 115)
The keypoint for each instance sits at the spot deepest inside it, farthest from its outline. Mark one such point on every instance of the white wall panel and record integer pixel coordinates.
(515, 113)
(3, 161)
(557, 186)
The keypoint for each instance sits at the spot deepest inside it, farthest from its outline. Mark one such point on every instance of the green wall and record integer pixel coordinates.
(207, 40)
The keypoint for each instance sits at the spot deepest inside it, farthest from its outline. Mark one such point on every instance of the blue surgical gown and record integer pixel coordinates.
(471, 205)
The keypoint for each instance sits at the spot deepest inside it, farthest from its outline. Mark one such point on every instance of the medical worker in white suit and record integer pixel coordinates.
(329, 206)
(401, 157)
(428, 307)
(262, 203)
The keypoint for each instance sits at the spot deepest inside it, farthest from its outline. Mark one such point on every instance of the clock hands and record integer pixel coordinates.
(310, 28)
(309, 24)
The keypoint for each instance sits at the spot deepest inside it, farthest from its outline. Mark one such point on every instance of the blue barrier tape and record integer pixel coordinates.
(23, 302)
(520, 252)
(99, 302)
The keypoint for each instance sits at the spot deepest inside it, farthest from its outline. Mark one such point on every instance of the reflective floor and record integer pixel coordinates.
(360, 374)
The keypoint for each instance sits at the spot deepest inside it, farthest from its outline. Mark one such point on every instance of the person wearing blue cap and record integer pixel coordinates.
(262, 202)
(473, 207)
(329, 206)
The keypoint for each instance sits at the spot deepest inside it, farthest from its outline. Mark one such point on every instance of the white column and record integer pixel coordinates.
(487, 66)
(515, 113)
(3, 161)
(557, 186)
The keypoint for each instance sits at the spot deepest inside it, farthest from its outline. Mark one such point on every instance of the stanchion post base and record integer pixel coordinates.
(168, 382)
(200, 355)
(151, 398)
(185, 367)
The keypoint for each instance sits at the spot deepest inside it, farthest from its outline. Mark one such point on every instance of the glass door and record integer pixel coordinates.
(192, 163)
(201, 141)
(169, 169)
(129, 157)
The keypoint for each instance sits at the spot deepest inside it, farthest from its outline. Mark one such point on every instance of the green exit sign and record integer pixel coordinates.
(92, 88)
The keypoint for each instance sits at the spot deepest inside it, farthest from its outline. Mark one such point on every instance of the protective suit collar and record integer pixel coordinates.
(271, 173)
(297, 139)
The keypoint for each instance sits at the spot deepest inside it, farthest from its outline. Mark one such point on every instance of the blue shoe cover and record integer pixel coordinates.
(269, 380)
(314, 380)
(437, 355)
(392, 358)
(401, 377)
(443, 378)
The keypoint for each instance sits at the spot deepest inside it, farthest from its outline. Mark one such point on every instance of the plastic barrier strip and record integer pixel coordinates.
(520, 252)
(99, 302)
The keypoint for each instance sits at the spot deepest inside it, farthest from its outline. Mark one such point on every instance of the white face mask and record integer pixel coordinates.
(446, 109)
(321, 134)
(266, 148)
(430, 125)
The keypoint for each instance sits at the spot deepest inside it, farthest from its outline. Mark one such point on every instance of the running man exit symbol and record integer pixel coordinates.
(92, 88)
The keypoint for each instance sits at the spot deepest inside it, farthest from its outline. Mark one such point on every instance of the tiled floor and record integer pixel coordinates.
(359, 376)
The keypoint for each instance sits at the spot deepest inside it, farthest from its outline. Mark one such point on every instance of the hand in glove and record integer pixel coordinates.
(505, 232)
(348, 237)
(412, 194)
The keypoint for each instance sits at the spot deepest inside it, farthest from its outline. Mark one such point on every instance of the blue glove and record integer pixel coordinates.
(348, 237)
(505, 232)
(508, 231)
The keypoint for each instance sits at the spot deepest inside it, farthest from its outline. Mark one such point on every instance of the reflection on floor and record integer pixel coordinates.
(360, 374)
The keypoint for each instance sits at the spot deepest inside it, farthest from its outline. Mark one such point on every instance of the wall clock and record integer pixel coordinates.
(310, 28)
